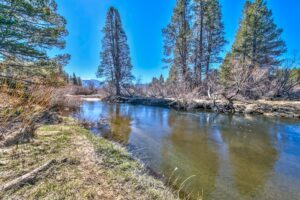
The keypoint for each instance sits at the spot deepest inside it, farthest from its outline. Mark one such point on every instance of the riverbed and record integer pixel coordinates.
(207, 154)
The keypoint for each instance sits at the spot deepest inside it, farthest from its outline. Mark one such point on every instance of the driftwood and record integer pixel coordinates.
(30, 176)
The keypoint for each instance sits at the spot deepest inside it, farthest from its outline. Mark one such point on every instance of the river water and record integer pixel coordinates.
(208, 154)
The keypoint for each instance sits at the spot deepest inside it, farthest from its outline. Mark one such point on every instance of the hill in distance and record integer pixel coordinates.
(86, 83)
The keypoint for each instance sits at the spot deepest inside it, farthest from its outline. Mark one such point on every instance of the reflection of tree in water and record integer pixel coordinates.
(120, 124)
(192, 152)
(251, 154)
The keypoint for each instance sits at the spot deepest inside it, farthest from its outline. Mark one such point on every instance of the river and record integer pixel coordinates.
(213, 155)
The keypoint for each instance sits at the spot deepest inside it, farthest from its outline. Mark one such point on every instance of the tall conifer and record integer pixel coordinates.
(177, 42)
(208, 36)
(259, 39)
(115, 64)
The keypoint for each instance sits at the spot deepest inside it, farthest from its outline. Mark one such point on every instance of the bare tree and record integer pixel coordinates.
(245, 80)
(286, 79)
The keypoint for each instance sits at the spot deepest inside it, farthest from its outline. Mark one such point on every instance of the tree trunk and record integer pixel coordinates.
(209, 50)
(118, 89)
(201, 41)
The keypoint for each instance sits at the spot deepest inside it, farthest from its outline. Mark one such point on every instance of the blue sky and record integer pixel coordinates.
(143, 21)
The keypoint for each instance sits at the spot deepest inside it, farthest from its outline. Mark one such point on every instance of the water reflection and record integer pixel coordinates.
(251, 153)
(192, 152)
(119, 123)
(231, 157)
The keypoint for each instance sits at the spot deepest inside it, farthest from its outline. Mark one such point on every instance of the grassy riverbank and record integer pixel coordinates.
(85, 167)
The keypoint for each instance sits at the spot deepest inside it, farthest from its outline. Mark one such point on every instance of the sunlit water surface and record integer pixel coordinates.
(217, 156)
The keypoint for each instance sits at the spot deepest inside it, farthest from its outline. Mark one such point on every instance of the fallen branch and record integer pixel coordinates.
(26, 177)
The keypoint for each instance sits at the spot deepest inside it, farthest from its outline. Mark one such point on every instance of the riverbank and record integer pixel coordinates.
(66, 161)
(285, 109)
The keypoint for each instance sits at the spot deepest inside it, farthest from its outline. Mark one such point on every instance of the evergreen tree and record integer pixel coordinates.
(173, 74)
(226, 69)
(29, 28)
(70, 79)
(115, 64)
(67, 78)
(161, 79)
(177, 42)
(199, 8)
(215, 34)
(154, 81)
(258, 39)
(74, 79)
(208, 36)
(79, 82)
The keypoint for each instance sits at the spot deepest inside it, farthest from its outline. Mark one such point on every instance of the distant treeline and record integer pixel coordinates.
(73, 79)
(193, 42)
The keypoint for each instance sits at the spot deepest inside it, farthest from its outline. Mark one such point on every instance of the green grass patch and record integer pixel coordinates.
(93, 167)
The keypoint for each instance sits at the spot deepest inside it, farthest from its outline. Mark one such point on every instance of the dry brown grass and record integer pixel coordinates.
(20, 106)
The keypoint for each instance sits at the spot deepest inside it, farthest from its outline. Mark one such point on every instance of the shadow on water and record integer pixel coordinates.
(226, 157)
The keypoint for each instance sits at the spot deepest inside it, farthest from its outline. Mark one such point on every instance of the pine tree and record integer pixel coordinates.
(173, 76)
(70, 79)
(208, 36)
(79, 83)
(161, 79)
(226, 69)
(66, 77)
(115, 64)
(177, 42)
(29, 28)
(199, 8)
(215, 34)
(74, 79)
(258, 39)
